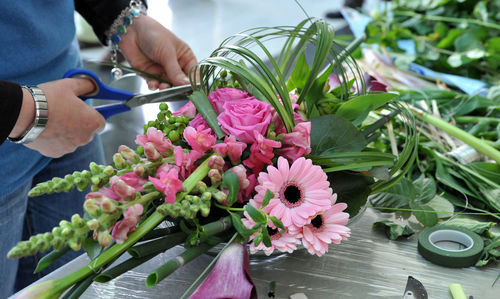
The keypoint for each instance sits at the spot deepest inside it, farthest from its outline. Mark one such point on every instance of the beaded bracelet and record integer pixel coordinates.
(119, 27)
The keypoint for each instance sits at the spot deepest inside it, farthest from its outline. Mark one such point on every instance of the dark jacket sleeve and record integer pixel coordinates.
(100, 14)
(11, 99)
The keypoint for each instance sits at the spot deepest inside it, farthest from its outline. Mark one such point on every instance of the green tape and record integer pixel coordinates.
(431, 240)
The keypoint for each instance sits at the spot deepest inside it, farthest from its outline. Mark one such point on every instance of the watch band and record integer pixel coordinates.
(41, 117)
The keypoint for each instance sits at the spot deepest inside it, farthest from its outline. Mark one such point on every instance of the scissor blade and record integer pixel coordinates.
(177, 93)
(414, 289)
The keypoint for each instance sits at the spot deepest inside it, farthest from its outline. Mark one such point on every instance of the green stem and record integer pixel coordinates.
(447, 19)
(149, 224)
(143, 200)
(475, 119)
(229, 208)
(478, 144)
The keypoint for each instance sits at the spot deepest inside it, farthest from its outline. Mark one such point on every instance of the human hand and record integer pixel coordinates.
(71, 124)
(152, 48)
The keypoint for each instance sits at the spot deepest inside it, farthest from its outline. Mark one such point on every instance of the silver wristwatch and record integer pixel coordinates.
(41, 117)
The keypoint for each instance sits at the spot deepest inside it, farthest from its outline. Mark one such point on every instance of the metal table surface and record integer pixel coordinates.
(367, 265)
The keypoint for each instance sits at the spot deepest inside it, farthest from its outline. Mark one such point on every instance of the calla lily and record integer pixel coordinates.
(230, 277)
(46, 289)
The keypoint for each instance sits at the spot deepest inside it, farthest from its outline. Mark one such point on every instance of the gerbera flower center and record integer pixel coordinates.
(273, 233)
(292, 195)
(317, 222)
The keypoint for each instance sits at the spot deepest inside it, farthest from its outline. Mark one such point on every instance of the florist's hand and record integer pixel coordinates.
(152, 48)
(71, 124)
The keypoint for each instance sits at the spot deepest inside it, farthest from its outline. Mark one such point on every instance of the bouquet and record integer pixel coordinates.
(271, 153)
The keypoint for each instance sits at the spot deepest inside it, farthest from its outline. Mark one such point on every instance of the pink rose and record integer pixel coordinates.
(223, 95)
(242, 118)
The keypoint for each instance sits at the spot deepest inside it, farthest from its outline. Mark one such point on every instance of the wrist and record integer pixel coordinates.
(26, 115)
(30, 129)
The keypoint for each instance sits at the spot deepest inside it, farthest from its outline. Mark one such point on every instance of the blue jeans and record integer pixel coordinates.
(22, 217)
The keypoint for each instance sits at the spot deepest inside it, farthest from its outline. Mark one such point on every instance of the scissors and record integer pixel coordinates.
(127, 99)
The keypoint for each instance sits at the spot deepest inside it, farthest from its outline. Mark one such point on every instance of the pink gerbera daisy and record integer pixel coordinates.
(300, 191)
(325, 228)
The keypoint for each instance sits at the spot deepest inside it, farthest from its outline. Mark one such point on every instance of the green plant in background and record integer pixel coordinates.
(456, 37)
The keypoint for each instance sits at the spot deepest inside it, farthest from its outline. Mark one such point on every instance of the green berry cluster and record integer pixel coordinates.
(223, 81)
(74, 233)
(172, 126)
(188, 207)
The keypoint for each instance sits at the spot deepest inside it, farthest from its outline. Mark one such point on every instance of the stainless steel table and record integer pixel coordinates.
(367, 265)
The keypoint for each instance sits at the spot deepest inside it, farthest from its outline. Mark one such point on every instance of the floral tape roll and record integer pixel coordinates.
(432, 246)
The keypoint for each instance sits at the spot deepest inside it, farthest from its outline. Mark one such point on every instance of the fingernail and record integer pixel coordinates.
(184, 79)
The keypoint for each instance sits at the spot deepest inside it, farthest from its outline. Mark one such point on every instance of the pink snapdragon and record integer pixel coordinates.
(261, 152)
(186, 161)
(157, 138)
(168, 183)
(231, 148)
(127, 185)
(279, 126)
(127, 225)
(200, 139)
(297, 143)
(188, 110)
(242, 117)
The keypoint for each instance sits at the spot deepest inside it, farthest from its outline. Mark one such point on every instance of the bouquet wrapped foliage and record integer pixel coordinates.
(270, 153)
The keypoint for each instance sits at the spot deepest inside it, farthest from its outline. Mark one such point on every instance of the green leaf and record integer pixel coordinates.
(258, 239)
(398, 196)
(255, 214)
(204, 107)
(341, 136)
(357, 106)
(393, 230)
(351, 188)
(239, 226)
(51, 257)
(92, 247)
(277, 222)
(479, 227)
(231, 181)
(481, 11)
(300, 73)
(267, 197)
(266, 239)
(425, 189)
(442, 206)
(448, 41)
(424, 213)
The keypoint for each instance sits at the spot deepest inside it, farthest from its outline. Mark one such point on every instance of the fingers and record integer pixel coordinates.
(82, 86)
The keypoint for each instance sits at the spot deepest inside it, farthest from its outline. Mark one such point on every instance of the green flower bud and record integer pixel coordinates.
(67, 233)
(205, 211)
(48, 237)
(140, 150)
(223, 74)
(206, 196)
(221, 197)
(109, 170)
(104, 238)
(65, 224)
(108, 205)
(95, 168)
(93, 224)
(173, 136)
(95, 180)
(200, 187)
(58, 243)
(56, 231)
(77, 221)
(119, 162)
(74, 244)
(86, 174)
